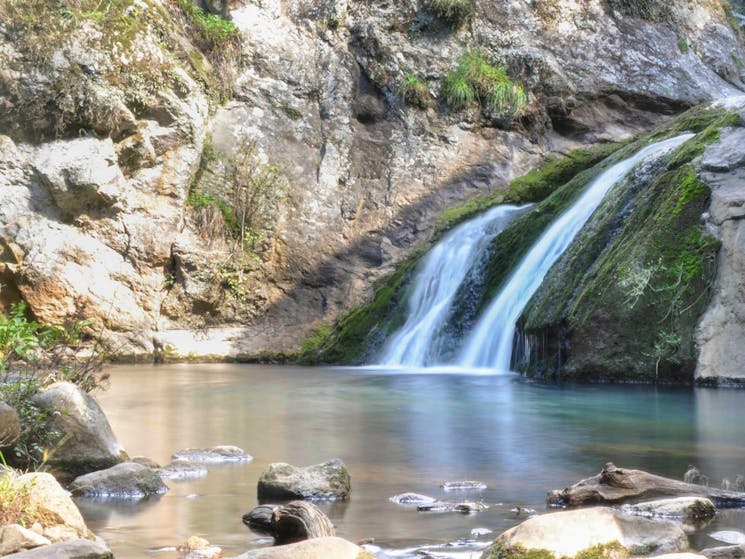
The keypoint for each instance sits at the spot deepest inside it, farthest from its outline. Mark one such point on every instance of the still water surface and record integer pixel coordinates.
(397, 433)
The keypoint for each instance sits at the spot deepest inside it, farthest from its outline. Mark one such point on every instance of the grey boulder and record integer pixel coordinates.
(123, 481)
(10, 426)
(214, 455)
(73, 549)
(328, 481)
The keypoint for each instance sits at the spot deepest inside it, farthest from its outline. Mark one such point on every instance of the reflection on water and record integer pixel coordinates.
(396, 433)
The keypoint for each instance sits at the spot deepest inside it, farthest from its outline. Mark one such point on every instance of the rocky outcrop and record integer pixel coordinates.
(722, 329)
(99, 152)
(318, 548)
(74, 549)
(327, 481)
(123, 481)
(86, 441)
(618, 485)
(10, 426)
(566, 534)
(289, 523)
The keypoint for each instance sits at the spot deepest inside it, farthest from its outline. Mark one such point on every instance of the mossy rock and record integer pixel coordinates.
(612, 550)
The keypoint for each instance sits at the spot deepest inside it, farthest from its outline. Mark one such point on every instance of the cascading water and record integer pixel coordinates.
(490, 343)
(443, 270)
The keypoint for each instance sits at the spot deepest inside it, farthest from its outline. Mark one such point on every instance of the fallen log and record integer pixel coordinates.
(618, 485)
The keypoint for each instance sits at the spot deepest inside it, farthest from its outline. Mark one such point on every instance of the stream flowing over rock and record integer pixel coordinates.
(104, 159)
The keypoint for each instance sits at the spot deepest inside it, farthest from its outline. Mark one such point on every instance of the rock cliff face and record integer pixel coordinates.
(123, 127)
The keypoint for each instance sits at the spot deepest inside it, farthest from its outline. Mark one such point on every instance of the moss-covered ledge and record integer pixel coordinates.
(612, 550)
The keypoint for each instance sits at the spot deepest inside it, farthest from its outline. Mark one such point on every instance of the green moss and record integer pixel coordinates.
(689, 188)
(683, 45)
(361, 331)
(214, 31)
(454, 12)
(611, 550)
(291, 112)
(415, 92)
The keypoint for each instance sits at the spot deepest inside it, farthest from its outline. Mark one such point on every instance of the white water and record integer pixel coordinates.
(442, 272)
(490, 343)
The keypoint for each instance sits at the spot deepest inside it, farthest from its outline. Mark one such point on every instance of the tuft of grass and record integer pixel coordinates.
(475, 79)
(214, 30)
(683, 45)
(454, 12)
(415, 92)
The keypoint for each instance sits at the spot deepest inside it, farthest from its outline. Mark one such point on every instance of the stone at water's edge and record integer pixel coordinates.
(290, 523)
(10, 426)
(684, 508)
(725, 552)
(413, 499)
(87, 442)
(123, 481)
(567, 533)
(327, 481)
(318, 548)
(74, 549)
(618, 485)
(15, 537)
(182, 469)
(214, 455)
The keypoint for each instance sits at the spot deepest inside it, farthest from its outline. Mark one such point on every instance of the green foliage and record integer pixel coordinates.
(215, 32)
(474, 79)
(31, 356)
(415, 92)
(454, 12)
(683, 45)
(689, 187)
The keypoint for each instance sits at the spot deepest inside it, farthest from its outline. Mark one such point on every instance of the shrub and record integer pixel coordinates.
(454, 12)
(415, 92)
(474, 79)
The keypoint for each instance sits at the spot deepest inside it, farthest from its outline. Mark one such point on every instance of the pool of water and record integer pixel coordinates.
(397, 432)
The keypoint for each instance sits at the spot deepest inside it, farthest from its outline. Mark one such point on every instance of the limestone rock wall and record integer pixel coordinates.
(103, 139)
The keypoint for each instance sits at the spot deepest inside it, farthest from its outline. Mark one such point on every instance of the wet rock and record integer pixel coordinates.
(199, 548)
(463, 486)
(478, 532)
(10, 426)
(725, 552)
(87, 441)
(617, 485)
(569, 532)
(414, 499)
(684, 508)
(318, 548)
(327, 481)
(183, 469)
(214, 455)
(14, 537)
(123, 481)
(147, 462)
(729, 536)
(727, 153)
(289, 523)
(73, 549)
(468, 507)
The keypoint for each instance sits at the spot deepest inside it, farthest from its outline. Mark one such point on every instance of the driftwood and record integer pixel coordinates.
(617, 485)
(292, 522)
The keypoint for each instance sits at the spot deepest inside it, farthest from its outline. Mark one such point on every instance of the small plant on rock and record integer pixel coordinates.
(415, 92)
(454, 12)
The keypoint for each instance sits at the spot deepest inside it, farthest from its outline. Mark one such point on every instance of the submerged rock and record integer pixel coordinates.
(123, 481)
(570, 532)
(318, 548)
(183, 469)
(214, 455)
(729, 536)
(327, 481)
(199, 548)
(414, 499)
(463, 486)
(87, 442)
(617, 485)
(684, 508)
(289, 523)
(468, 507)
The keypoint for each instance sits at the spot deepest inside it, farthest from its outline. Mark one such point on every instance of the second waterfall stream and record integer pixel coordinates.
(488, 346)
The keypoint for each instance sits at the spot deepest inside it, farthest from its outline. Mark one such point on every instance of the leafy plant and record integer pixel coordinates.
(454, 12)
(214, 30)
(475, 79)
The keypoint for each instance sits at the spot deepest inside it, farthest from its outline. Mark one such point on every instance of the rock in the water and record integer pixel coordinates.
(463, 486)
(214, 455)
(145, 461)
(15, 537)
(290, 523)
(123, 481)
(617, 485)
(10, 426)
(685, 508)
(725, 552)
(569, 532)
(413, 499)
(51, 501)
(87, 441)
(199, 548)
(729, 536)
(327, 481)
(477, 532)
(183, 469)
(467, 507)
(318, 548)
(73, 549)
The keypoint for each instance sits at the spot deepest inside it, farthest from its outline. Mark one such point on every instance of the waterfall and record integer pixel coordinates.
(489, 345)
(435, 284)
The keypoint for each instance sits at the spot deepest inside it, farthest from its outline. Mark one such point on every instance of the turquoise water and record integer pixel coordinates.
(397, 433)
